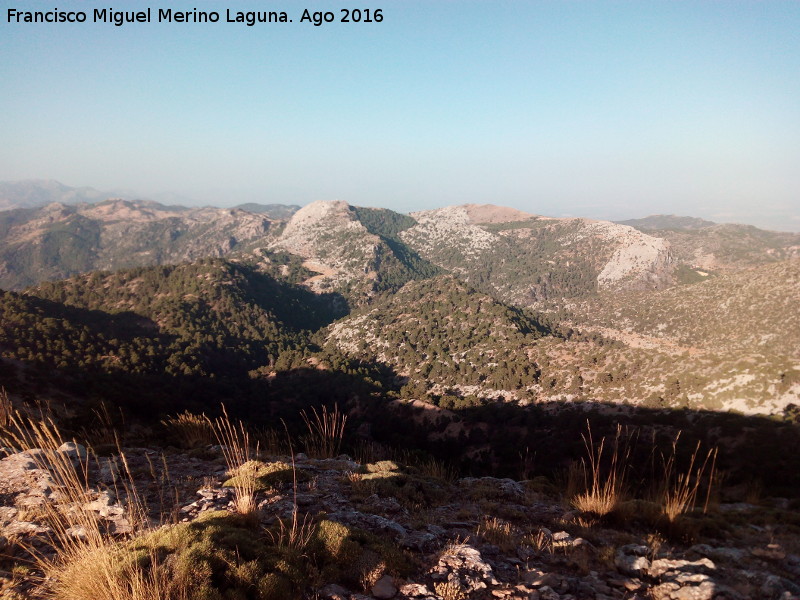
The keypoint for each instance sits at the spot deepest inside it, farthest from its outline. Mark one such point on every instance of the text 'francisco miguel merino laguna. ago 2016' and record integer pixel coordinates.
(168, 15)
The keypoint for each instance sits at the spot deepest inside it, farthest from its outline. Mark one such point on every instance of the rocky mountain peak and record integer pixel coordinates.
(490, 213)
(308, 223)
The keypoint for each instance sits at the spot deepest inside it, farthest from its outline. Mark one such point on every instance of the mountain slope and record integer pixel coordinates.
(523, 258)
(56, 241)
(210, 317)
(728, 246)
(355, 250)
(440, 332)
(446, 339)
(277, 212)
(753, 308)
(709, 246)
(657, 222)
(728, 342)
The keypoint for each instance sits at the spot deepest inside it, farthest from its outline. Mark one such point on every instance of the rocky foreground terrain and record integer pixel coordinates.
(428, 535)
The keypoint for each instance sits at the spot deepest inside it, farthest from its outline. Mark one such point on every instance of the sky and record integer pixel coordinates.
(563, 108)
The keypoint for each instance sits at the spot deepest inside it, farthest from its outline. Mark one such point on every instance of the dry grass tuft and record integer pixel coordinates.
(87, 562)
(371, 575)
(498, 532)
(297, 534)
(107, 573)
(539, 541)
(449, 590)
(594, 488)
(234, 439)
(102, 432)
(271, 442)
(325, 432)
(294, 533)
(438, 470)
(681, 489)
(191, 430)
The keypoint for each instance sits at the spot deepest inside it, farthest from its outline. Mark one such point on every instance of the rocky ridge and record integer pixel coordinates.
(59, 240)
(479, 243)
(333, 242)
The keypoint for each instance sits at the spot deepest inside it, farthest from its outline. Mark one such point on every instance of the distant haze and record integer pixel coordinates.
(34, 193)
(610, 110)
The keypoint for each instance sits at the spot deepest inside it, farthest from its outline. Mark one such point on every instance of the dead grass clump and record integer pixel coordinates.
(190, 430)
(498, 532)
(368, 451)
(102, 433)
(325, 432)
(540, 541)
(449, 590)
(372, 568)
(234, 439)
(294, 533)
(109, 573)
(437, 469)
(681, 488)
(271, 442)
(87, 563)
(597, 486)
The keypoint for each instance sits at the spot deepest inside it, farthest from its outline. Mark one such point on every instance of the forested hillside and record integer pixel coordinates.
(441, 334)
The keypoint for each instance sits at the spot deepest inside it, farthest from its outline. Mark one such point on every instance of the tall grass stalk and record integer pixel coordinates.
(325, 431)
(191, 430)
(601, 488)
(87, 563)
(234, 439)
(681, 489)
(297, 534)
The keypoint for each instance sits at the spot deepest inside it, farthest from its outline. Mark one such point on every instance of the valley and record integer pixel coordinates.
(461, 343)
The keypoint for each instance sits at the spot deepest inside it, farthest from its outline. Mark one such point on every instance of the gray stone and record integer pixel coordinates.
(373, 523)
(663, 565)
(415, 590)
(635, 550)
(105, 504)
(704, 591)
(23, 463)
(541, 579)
(119, 525)
(384, 588)
(775, 585)
(464, 565)
(548, 593)
(334, 592)
(419, 541)
(506, 487)
(73, 451)
(109, 471)
(633, 565)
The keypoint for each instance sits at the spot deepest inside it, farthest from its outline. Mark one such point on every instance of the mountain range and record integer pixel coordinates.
(470, 302)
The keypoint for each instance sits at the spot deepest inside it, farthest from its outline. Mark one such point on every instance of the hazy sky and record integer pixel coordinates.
(601, 109)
